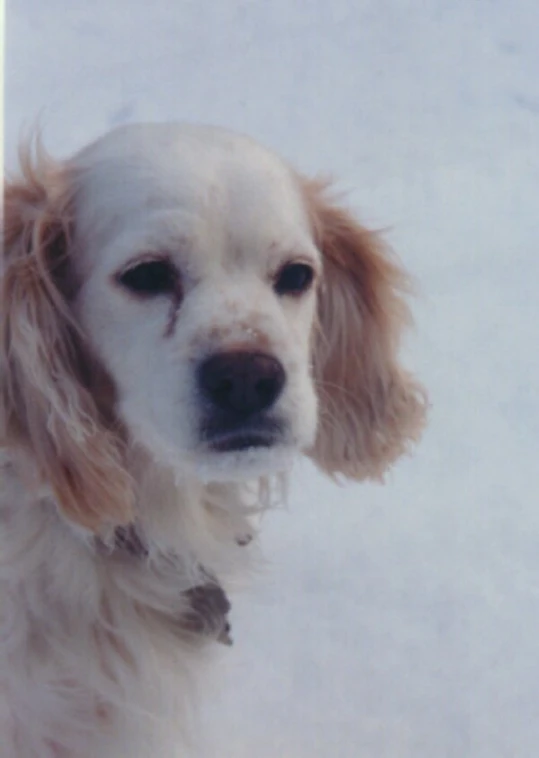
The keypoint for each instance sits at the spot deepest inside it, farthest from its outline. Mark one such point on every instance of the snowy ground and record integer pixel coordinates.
(396, 622)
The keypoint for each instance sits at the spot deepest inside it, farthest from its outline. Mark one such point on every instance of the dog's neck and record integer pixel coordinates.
(185, 540)
(176, 517)
(175, 511)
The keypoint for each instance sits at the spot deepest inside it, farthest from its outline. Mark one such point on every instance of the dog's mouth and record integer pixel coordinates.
(240, 449)
(224, 436)
(241, 441)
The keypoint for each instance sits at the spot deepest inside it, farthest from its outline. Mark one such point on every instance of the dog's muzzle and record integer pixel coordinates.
(238, 390)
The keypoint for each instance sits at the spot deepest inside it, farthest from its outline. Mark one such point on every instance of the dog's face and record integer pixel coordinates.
(184, 289)
(197, 275)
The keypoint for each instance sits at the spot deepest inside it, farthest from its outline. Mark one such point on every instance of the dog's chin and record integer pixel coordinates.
(242, 458)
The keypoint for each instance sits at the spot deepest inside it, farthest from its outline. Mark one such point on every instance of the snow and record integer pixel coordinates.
(398, 621)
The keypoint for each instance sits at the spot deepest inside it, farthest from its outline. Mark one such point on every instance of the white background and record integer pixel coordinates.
(403, 621)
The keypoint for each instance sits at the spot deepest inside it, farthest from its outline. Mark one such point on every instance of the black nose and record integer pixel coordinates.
(241, 382)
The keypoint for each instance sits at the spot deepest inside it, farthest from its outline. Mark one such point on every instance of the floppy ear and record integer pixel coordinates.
(371, 409)
(47, 409)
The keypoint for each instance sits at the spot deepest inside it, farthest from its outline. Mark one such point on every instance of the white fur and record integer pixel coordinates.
(93, 662)
(229, 214)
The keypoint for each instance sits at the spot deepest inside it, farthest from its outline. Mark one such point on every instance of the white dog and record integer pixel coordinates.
(181, 313)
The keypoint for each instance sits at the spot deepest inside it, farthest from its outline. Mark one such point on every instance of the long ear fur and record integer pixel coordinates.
(370, 408)
(47, 409)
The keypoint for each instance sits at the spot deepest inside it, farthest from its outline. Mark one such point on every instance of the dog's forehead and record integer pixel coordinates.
(202, 170)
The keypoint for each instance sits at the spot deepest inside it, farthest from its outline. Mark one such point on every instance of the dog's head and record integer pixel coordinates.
(184, 289)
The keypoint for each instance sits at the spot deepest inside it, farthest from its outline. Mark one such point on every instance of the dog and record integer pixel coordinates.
(182, 314)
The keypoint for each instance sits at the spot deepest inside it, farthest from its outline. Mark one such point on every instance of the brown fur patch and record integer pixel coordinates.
(370, 407)
(47, 402)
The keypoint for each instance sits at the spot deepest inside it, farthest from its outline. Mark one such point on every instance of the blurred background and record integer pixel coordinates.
(398, 621)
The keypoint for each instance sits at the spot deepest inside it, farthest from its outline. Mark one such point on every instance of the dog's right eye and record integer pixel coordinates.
(150, 278)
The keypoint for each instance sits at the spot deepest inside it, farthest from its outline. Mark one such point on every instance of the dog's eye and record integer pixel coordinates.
(293, 279)
(150, 278)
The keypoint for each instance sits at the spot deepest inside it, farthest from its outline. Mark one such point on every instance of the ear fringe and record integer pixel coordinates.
(371, 410)
(45, 407)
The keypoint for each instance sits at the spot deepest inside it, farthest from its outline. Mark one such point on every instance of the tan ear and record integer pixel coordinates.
(47, 408)
(371, 409)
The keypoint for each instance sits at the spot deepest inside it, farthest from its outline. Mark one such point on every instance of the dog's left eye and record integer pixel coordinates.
(150, 278)
(293, 279)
